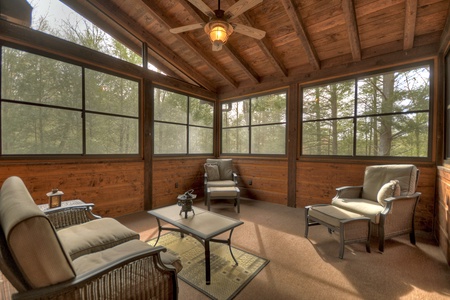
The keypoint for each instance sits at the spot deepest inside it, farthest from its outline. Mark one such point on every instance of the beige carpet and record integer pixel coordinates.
(310, 268)
(227, 279)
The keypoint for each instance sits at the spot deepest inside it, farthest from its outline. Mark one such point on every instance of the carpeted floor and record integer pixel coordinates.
(310, 268)
(227, 279)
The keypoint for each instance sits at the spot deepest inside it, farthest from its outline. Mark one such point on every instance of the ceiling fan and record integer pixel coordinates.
(219, 27)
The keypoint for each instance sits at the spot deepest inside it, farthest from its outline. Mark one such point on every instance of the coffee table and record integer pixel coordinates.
(203, 226)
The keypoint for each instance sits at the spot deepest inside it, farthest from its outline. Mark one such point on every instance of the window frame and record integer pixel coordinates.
(82, 110)
(250, 126)
(187, 124)
(355, 77)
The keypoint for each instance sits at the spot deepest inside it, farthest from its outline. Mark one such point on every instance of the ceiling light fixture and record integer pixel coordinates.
(218, 32)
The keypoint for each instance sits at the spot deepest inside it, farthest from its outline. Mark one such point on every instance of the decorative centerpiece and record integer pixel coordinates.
(185, 201)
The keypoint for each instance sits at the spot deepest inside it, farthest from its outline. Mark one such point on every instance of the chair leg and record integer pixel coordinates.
(306, 221)
(208, 199)
(238, 200)
(412, 237)
(381, 241)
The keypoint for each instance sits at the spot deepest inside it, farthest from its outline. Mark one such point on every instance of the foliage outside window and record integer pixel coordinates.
(55, 18)
(386, 114)
(255, 126)
(182, 124)
(44, 109)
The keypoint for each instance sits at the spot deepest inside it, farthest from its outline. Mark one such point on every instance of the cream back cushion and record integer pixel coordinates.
(225, 167)
(31, 238)
(212, 171)
(376, 176)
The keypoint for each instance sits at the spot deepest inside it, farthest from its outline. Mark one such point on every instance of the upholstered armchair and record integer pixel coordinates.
(219, 173)
(74, 262)
(388, 197)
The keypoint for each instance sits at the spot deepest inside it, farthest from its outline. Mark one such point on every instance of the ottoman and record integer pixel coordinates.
(226, 192)
(352, 227)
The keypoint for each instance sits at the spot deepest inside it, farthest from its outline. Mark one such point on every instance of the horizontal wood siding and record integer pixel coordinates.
(317, 183)
(442, 228)
(167, 173)
(116, 188)
(268, 176)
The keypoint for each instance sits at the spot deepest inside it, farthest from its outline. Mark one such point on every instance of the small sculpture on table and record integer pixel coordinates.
(185, 201)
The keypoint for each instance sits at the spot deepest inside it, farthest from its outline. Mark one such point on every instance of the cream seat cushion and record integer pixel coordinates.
(94, 236)
(95, 260)
(368, 208)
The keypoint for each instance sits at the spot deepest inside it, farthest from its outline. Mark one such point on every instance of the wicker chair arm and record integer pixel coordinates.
(349, 192)
(69, 215)
(391, 202)
(141, 275)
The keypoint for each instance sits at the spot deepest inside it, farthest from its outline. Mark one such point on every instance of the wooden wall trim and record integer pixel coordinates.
(292, 142)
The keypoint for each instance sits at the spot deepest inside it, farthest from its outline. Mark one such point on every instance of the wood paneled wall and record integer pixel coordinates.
(269, 179)
(116, 188)
(172, 177)
(443, 210)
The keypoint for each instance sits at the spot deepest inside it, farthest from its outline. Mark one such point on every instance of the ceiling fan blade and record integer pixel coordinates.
(249, 31)
(240, 7)
(203, 7)
(186, 28)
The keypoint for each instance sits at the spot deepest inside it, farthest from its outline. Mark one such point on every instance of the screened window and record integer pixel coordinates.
(182, 124)
(46, 108)
(255, 126)
(55, 18)
(386, 114)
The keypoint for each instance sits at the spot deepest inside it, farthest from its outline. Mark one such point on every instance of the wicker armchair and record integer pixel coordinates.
(34, 260)
(219, 173)
(388, 197)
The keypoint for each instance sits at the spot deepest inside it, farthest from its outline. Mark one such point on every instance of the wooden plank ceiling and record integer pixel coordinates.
(306, 35)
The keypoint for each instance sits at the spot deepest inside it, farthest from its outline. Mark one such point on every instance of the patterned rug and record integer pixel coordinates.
(227, 280)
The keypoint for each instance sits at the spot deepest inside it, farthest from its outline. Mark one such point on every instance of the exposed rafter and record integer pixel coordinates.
(263, 44)
(410, 24)
(348, 7)
(296, 20)
(165, 21)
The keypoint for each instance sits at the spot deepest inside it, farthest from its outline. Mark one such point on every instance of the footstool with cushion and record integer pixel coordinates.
(352, 227)
(225, 192)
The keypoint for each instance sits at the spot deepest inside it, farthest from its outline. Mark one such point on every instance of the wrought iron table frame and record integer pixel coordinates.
(170, 215)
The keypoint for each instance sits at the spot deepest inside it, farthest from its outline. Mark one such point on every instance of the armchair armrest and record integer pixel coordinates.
(71, 214)
(349, 192)
(402, 204)
(140, 275)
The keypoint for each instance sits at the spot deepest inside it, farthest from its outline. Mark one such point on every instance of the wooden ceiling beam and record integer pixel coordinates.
(410, 24)
(445, 36)
(165, 21)
(170, 58)
(348, 7)
(263, 44)
(296, 20)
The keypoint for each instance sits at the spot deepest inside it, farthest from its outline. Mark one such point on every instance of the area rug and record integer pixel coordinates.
(227, 279)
